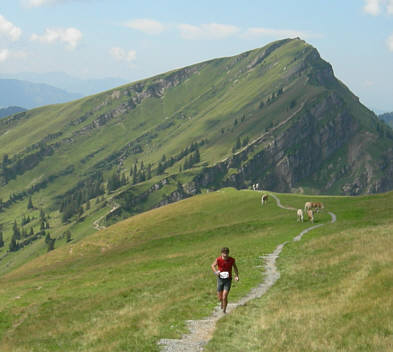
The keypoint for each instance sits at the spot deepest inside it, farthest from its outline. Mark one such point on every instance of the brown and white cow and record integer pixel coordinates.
(310, 214)
(317, 206)
(264, 198)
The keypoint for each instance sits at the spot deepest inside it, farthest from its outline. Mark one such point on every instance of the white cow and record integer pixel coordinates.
(299, 215)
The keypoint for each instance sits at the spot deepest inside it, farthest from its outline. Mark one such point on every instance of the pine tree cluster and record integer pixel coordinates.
(85, 190)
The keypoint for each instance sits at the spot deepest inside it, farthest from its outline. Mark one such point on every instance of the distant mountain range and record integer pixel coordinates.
(68, 83)
(4, 112)
(14, 92)
(388, 118)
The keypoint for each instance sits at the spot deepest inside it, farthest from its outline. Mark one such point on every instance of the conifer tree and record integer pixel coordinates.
(30, 204)
(123, 179)
(13, 247)
(16, 231)
(148, 175)
(68, 236)
(160, 168)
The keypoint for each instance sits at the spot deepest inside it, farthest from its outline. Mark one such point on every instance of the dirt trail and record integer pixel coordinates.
(96, 223)
(202, 330)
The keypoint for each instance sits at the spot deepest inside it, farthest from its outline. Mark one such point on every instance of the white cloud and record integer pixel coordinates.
(9, 29)
(389, 42)
(4, 54)
(373, 7)
(207, 31)
(277, 33)
(122, 55)
(71, 36)
(146, 25)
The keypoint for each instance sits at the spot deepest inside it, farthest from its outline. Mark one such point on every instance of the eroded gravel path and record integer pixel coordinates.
(202, 330)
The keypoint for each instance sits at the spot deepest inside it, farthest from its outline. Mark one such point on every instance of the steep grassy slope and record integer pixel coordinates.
(276, 116)
(126, 287)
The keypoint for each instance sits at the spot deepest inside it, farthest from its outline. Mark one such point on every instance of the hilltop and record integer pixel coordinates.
(276, 116)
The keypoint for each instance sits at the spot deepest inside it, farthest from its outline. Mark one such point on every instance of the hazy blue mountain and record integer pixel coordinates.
(69, 83)
(4, 112)
(388, 118)
(15, 92)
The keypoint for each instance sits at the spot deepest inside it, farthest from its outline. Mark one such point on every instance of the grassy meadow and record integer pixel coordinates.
(125, 287)
(335, 290)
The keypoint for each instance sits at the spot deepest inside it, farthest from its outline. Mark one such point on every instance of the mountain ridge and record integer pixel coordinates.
(276, 116)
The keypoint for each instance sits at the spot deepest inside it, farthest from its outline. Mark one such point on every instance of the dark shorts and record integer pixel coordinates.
(223, 284)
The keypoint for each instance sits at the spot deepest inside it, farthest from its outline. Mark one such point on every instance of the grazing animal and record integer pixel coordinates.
(257, 186)
(299, 215)
(310, 214)
(307, 206)
(317, 206)
(264, 199)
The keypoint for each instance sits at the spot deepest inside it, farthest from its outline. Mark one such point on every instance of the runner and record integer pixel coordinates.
(224, 276)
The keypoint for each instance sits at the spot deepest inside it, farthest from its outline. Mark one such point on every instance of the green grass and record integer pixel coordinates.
(334, 293)
(201, 106)
(124, 288)
(140, 279)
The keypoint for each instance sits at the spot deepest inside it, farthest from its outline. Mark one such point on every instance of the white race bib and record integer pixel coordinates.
(224, 275)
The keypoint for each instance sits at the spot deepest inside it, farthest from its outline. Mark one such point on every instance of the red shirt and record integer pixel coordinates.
(225, 265)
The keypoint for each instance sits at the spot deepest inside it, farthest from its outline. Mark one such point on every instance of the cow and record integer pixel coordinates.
(264, 198)
(307, 206)
(317, 206)
(299, 215)
(310, 214)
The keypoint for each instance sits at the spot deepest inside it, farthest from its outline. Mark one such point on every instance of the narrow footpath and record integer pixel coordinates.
(201, 331)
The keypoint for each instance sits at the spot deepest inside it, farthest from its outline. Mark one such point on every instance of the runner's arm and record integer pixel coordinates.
(236, 271)
(214, 267)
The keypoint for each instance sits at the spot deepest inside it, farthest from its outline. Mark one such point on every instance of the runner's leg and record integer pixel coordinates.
(219, 296)
(224, 300)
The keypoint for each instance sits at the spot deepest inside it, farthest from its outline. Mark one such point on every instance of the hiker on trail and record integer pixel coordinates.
(224, 263)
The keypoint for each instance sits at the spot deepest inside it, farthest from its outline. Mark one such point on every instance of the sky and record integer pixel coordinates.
(138, 39)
